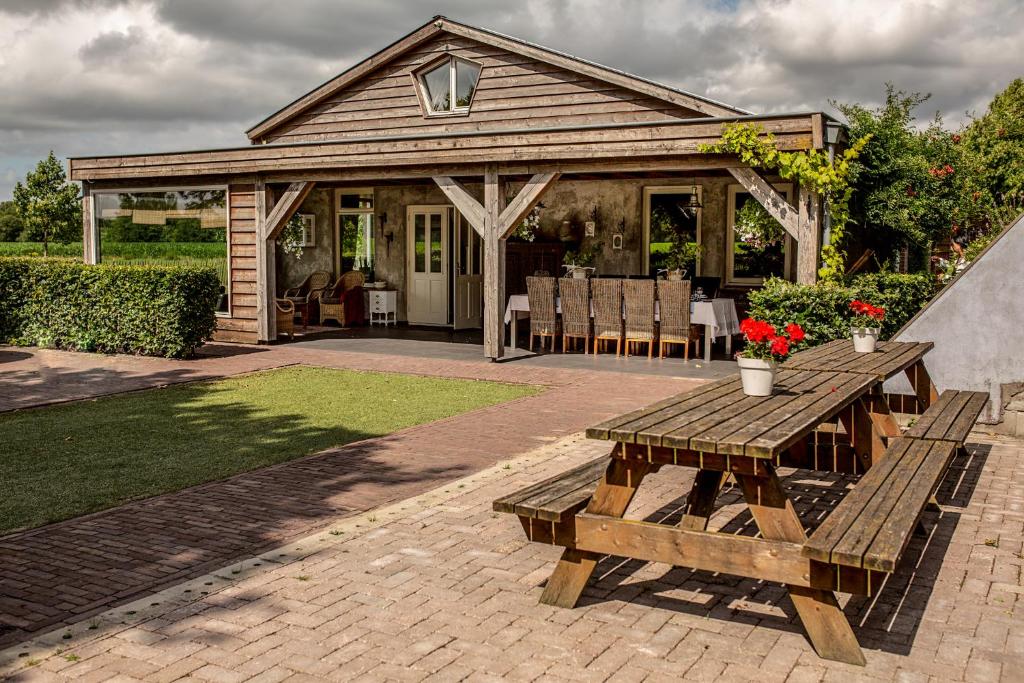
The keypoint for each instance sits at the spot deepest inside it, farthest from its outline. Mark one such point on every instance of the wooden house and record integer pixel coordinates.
(421, 163)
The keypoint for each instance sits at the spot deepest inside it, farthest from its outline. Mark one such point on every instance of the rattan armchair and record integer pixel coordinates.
(607, 297)
(575, 296)
(285, 317)
(333, 304)
(543, 310)
(308, 292)
(674, 308)
(639, 326)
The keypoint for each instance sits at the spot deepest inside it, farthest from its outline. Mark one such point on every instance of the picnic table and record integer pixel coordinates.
(719, 431)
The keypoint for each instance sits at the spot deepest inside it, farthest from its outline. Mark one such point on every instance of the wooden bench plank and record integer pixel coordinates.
(554, 498)
(888, 545)
(951, 417)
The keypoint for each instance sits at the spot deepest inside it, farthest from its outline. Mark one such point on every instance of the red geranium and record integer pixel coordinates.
(865, 314)
(764, 343)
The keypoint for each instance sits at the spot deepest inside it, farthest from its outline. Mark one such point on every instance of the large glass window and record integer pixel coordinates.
(449, 86)
(155, 227)
(355, 231)
(758, 246)
(673, 225)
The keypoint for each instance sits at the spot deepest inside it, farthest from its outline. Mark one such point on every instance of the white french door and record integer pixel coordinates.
(427, 265)
(469, 279)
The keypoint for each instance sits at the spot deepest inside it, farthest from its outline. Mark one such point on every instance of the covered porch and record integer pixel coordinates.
(429, 210)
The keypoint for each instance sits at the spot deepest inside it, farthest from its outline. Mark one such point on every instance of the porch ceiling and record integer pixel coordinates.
(628, 148)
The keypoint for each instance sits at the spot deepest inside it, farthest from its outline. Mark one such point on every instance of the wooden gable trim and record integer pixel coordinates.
(438, 25)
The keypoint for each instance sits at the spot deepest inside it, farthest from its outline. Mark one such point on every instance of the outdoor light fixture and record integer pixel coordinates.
(691, 206)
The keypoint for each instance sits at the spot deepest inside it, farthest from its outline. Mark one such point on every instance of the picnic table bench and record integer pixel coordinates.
(718, 430)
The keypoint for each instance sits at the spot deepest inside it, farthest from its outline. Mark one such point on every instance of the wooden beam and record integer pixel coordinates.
(770, 199)
(466, 203)
(264, 304)
(88, 225)
(808, 250)
(494, 267)
(289, 203)
(524, 202)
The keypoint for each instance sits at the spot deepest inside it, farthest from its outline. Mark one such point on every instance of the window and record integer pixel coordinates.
(354, 238)
(448, 87)
(668, 218)
(308, 229)
(758, 246)
(183, 226)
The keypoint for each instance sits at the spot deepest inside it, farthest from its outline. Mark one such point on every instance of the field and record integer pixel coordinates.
(203, 254)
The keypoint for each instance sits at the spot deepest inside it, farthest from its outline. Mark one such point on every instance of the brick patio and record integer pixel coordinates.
(440, 588)
(66, 572)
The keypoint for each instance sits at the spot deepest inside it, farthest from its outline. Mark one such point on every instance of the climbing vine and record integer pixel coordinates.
(812, 169)
(291, 236)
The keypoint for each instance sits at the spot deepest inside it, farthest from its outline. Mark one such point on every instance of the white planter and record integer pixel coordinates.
(864, 338)
(758, 376)
(675, 275)
(579, 273)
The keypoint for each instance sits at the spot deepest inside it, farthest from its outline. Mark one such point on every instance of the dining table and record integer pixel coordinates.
(718, 316)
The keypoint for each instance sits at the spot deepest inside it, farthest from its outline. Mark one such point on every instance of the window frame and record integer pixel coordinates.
(424, 96)
(339, 212)
(95, 228)
(308, 223)
(649, 190)
(789, 245)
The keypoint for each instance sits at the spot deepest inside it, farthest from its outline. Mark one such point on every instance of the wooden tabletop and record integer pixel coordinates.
(890, 358)
(720, 418)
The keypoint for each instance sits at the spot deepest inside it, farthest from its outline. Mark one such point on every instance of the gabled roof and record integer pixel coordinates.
(440, 24)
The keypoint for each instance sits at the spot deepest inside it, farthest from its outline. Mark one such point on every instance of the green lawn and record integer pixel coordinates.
(63, 461)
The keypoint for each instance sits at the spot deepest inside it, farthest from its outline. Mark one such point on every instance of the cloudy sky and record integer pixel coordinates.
(110, 76)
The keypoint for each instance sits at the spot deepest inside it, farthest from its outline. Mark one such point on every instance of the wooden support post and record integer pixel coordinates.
(701, 501)
(611, 498)
(264, 263)
(808, 251)
(925, 389)
(865, 437)
(88, 227)
(826, 625)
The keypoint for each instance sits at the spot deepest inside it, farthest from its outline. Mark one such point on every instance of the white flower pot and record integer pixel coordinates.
(865, 338)
(675, 275)
(579, 273)
(758, 376)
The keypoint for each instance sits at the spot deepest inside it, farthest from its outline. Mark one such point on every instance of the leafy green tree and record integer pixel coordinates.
(49, 205)
(11, 226)
(997, 140)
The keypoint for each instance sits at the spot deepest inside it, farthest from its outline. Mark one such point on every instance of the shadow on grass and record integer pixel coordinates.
(888, 621)
(68, 571)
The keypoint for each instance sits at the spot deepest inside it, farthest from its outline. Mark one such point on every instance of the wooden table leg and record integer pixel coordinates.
(923, 385)
(708, 340)
(612, 498)
(514, 331)
(865, 437)
(826, 625)
(701, 501)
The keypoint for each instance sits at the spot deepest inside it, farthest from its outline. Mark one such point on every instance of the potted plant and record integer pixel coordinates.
(680, 257)
(579, 263)
(865, 325)
(765, 347)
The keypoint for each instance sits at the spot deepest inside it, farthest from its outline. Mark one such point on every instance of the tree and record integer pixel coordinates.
(48, 204)
(997, 140)
(11, 226)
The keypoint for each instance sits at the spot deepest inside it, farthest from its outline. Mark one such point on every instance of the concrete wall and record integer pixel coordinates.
(976, 324)
(619, 206)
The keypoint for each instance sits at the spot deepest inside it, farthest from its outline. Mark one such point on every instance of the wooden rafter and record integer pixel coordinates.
(467, 205)
(770, 199)
(287, 205)
(524, 202)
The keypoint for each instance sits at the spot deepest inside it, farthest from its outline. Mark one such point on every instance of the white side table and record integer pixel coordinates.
(383, 306)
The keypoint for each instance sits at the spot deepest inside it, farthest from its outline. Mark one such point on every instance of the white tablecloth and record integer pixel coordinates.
(717, 315)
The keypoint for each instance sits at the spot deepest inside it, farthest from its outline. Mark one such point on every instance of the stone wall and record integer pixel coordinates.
(291, 271)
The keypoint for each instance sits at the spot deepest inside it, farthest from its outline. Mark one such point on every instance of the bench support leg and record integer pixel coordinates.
(701, 501)
(611, 498)
(865, 436)
(925, 389)
(826, 625)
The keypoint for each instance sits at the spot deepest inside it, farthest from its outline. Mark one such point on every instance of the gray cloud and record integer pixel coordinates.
(107, 76)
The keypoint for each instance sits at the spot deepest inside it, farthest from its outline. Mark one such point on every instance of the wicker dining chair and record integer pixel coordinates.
(346, 294)
(674, 325)
(307, 293)
(543, 310)
(639, 327)
(607, 296)
(285, 316)
(575, 294)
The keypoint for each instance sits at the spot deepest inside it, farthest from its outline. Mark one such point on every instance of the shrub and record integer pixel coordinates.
(149, 310)
(823, 309)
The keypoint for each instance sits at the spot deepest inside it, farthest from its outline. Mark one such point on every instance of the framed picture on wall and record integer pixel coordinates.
(308, 229)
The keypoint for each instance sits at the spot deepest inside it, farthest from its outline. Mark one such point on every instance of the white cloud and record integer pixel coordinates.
(107, 76)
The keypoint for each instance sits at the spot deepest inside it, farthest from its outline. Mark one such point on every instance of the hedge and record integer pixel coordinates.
(823, 309)
(149, 310)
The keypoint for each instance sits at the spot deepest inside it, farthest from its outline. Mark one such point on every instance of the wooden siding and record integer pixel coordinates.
(241, 326)
(514, 91)
(584, 142)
